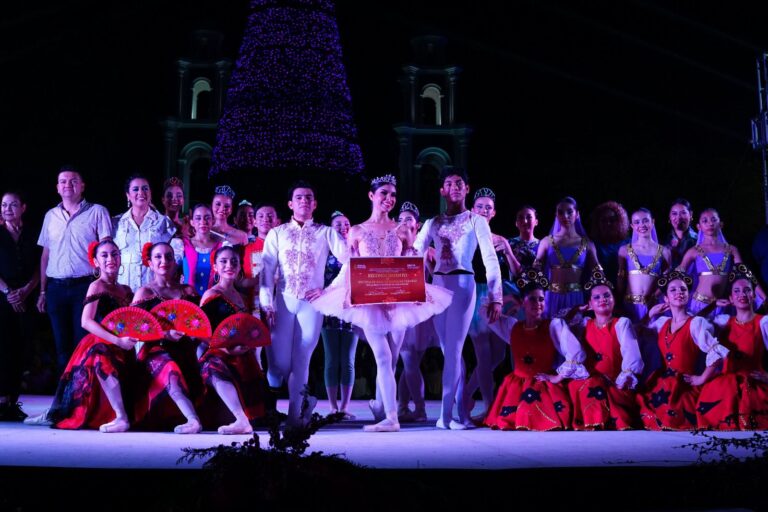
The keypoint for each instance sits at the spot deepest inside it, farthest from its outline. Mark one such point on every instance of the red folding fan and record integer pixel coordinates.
(240, 329)
(183, 316)
(134, 322)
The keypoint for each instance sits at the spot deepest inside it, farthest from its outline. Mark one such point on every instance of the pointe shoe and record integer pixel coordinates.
(41, 420)
(385, 425)
(307, 414)
(377, 410)
(238, 427)
(114, 426)
(452, 425)
(191, 427)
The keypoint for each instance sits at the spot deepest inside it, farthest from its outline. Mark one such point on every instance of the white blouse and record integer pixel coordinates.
(299, 252)
(456, 237)
(130, 239)
(702, 334)
(563, 340)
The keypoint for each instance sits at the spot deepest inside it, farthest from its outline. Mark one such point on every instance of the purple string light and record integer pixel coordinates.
(288, 105)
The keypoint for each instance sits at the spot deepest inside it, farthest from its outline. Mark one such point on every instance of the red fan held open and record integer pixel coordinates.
(240, 329)
(134, 322)
(183, 316)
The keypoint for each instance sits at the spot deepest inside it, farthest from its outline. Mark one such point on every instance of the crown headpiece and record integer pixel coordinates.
(532, 276)
(671, 276)
(485, 192)
(335, 214)
(173, 181)
(597, 278)
(742, 272)
(224, 190)
(387, 179)
(408, 206)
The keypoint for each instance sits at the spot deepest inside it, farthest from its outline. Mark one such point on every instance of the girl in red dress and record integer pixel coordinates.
(672, 392)
(169, 374)
(91, 390)
(235, 385)
(737, 399)
(606, 400)
(532, 397)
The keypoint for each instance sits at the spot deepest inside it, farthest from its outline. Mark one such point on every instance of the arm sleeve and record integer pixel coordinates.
(336, 244)
(269, 260)
(631, 360)
(570, 348)
(701, 332)
(103, 223)
(490, 261)
(503, 327)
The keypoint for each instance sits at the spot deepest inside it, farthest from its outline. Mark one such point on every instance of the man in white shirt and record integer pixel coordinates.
(456, 234)
(65, 272)
(299, 249)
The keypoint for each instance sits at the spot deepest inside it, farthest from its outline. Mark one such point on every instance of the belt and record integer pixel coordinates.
(706, 299)
(70, 281)
(637, 299)
(455, 273)
(640, 272)
(564, 288)
(708, 273)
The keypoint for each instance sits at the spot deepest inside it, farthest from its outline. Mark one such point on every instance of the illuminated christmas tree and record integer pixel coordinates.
(288, 105)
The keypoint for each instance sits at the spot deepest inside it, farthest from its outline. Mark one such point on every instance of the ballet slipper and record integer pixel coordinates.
(239, 426)
(452, 425)
(348, 416)
(116, 425)
(377, 410)
(41, 420)
(190, 427)
(386, 425)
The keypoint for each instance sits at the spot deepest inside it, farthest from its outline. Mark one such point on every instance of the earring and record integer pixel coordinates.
(216, 277)
(121, 271)
(96, 273)
(241, 275)
(129, 203)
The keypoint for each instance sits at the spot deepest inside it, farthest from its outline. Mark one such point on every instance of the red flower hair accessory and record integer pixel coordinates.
(146, 251)
(92, 252)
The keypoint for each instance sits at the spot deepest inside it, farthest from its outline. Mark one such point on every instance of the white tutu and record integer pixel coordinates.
(382, 318)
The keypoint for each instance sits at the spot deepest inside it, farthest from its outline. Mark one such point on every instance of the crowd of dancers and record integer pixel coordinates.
(614, 333)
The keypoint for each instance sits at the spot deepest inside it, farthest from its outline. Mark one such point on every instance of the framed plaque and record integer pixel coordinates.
(374, 280)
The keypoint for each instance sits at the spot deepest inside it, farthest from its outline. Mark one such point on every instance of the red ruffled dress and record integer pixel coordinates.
(669, 402)
(158, 365)
(734, 400)
(79, 401)
(613, 359)
(243, 371)
(522, 402)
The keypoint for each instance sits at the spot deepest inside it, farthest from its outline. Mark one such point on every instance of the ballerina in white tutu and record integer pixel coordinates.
(384, 325)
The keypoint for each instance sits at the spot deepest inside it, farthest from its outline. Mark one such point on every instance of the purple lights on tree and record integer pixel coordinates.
(288, 105)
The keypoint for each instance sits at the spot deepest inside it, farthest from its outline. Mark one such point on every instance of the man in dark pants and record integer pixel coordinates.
(65, 271)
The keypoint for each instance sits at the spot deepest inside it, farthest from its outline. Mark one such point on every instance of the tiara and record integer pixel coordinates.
(485, 192)
(245, 202)
(173, 181)
(742, 272)
(337, 213)
(532, 276)
(224, 190)
(387, 179)
(671, 276)
(597, 278)
(408, 206)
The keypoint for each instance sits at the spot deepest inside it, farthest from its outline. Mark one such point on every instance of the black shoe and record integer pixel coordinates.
(11, 412)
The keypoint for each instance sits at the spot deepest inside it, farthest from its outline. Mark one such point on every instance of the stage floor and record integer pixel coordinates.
(415, 446)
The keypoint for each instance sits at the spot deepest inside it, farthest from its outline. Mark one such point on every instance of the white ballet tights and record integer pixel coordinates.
(489, 351)
(452, 326)
(411, 384)
(294, 338)
(386, 347)
(111, 387)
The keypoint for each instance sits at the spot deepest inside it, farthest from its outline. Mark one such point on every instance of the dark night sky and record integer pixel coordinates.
(633, 100)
